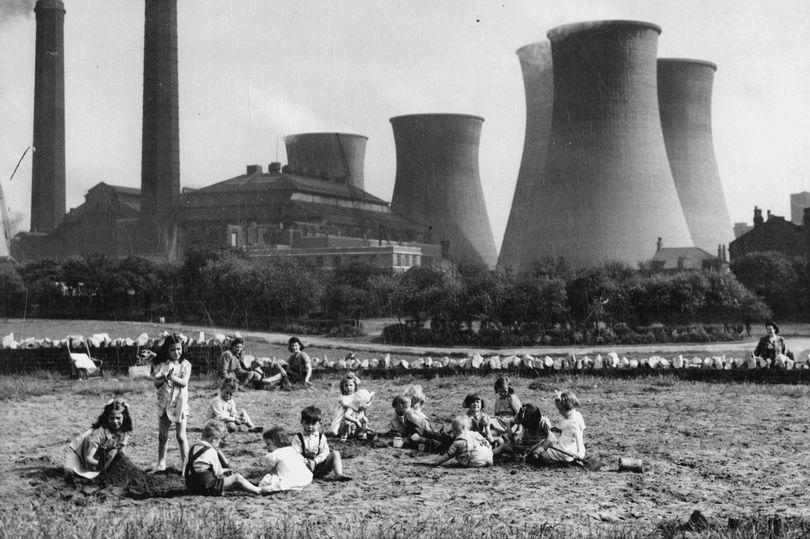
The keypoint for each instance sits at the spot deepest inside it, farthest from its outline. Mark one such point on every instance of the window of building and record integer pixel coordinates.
(427, 260)
(319, 261)
(233, 239)
(398, 259)
(416, 261)
(336, 261)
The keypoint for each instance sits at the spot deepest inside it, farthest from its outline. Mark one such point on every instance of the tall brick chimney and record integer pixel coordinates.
(160, 153)
(48, 172)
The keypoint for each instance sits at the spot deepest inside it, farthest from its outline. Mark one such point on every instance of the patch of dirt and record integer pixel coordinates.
(730, 450)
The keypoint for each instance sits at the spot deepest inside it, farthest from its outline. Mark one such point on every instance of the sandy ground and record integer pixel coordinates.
(729, 450)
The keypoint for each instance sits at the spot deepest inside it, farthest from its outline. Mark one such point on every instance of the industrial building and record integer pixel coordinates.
(438, 183)
(684, 102)
(618, 151)
(607, 188)
(315, 209)
(519, 250)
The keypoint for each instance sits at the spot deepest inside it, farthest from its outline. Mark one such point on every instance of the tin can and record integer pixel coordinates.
(421, 448)
(398, 441)
(627, 464)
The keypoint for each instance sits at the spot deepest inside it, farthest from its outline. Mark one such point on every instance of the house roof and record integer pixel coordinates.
(668, 257)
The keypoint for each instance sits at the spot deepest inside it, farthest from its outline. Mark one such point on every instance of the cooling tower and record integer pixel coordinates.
(518, 248)
(438, 183)
(607, 191)
(685, 102)
(160, 153)
(330, 155)
(48, 169)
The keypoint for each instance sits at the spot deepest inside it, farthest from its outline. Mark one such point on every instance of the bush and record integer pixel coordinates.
(12, 291)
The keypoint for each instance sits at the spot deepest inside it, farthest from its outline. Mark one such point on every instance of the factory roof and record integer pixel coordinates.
(289, 182)
(106, 199)
(339, 215)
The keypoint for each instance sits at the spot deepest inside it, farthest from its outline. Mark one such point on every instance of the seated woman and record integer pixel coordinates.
(771, 346)
(299, 366)
(230, 365)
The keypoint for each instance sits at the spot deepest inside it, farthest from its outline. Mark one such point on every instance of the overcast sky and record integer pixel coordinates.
(253, 71)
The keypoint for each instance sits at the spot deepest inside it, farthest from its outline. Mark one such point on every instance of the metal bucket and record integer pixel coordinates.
(627, 464)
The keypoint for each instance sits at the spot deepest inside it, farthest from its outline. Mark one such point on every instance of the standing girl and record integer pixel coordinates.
(95, 449)
(171, 380)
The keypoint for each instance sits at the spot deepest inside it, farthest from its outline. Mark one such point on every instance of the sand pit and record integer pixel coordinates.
(734, 451)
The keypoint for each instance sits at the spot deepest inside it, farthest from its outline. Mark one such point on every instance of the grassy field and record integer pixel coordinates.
(736, 451)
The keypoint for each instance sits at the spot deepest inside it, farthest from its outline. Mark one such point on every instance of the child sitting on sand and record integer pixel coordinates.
(94, 450)
(355, 415)
(311, 443)
(571, 442)
(207, 472)
(469, 448)
(411, 423)
(288, 469)
(223, 408)
(506, 408)
(340, 427)
(479, 421)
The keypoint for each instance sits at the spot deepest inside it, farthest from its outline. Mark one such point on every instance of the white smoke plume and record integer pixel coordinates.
(11, 9)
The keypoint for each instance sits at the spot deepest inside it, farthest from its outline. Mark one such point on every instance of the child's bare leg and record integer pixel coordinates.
(236, 481)
(336, 463)
(163, 440)
(275, 379)
(243, 415)
(182, 440)
(231, 426)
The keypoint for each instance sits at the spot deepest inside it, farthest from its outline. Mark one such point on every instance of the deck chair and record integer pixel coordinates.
(82, 365)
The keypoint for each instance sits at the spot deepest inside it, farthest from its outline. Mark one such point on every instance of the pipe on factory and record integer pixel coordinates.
(607, 189)
(685, 102)
(518, 249)
(160, 153)
(438, 183)
(48, 167)
(339, 156)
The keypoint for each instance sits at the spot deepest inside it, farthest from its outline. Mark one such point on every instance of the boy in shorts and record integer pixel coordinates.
(311, 443)
(207, 472)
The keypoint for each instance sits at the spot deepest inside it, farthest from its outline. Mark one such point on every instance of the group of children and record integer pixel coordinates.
(476, 438)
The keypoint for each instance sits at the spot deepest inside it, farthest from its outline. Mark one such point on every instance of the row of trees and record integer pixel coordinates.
(469, 304)
(782, 281)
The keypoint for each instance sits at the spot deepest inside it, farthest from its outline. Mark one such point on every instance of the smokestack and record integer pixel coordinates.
(518, 248)
(607, 187)
(48, 172)
(685, 102)
(336, 155)
(160, 154)
(438, 183)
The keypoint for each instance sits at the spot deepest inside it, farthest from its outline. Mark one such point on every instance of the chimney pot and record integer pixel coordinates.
(659, 244)
(275, 166)
(254, 169)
